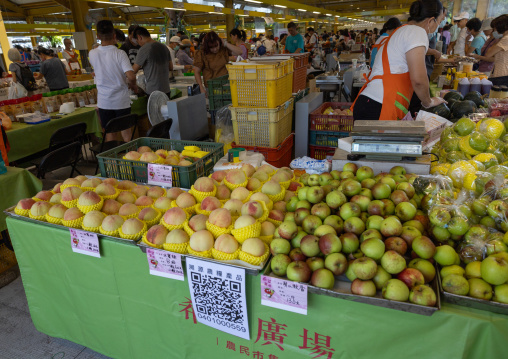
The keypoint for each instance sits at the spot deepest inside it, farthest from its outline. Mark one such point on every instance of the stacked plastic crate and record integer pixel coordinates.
(326, 129)
(262, 109)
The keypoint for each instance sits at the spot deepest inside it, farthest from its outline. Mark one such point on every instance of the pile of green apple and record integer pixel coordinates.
(366, 227)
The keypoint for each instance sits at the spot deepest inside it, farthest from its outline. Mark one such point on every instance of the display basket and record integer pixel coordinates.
(299, 79)
(326, 138)
(339, 123)
(111, 163)
(264, 127)
(320, 152)
(262, 70)
(219, 92)
(279, 156)
(299, 60)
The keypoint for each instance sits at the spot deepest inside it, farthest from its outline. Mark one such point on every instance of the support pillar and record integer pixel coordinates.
(482, 9)
(4, 42)
(79, 10)
(30, 20)
(457, 6)
(230, 19)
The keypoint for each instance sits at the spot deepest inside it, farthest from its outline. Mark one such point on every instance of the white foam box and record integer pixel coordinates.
(420, 166)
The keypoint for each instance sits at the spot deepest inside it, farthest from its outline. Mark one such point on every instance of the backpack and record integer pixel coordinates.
(27, 78)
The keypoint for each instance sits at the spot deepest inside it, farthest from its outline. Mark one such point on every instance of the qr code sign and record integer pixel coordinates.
(218, 296)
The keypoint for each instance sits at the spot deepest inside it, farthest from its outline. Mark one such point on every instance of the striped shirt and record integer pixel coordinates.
(501, 59)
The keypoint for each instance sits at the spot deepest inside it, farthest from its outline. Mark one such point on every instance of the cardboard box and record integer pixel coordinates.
(434, 125)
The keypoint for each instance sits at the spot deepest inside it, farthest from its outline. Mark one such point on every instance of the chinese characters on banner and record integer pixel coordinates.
(160, 175)
(85, 243)
(165, 264)
(218, 296)
(284, 294)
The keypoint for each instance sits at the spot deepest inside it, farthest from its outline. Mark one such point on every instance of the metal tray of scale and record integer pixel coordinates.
(10, 212)
(249, 268)
(342, 290)
(470, 302)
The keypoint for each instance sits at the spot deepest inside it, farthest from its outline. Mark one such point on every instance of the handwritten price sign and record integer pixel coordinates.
(85, 243)
(160, 175)
(165, 264)
(284, 294)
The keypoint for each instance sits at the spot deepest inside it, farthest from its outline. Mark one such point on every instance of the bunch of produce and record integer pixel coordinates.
(498, 107)
(459, 106)
(470, 150)
(173, 158)
(366, 227)
(227, 216)
(338, 111)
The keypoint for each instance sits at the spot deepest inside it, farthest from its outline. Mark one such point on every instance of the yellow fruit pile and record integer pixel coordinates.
(171, 157)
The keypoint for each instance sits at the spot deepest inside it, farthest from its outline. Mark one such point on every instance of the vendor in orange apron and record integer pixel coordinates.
(397, 89)
(70, 54)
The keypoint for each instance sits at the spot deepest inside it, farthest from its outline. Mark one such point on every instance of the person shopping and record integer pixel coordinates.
(474, 27)
(238, 38)
(498, 53)
(53, 70)
(484, 65)
(294, 43)
(183, 54)
(212, 59)
(20, 71)
(401, 69)
(386, 31)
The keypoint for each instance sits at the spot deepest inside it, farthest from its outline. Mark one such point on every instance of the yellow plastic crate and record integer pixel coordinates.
(260, 71)
(262, 127)
(261, 93)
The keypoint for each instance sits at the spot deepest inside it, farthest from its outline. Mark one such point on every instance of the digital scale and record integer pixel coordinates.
(387, 140)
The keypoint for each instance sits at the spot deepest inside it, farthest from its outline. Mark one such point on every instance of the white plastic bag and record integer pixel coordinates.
(17, 90)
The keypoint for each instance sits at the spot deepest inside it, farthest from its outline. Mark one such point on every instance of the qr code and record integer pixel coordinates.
(218, 297)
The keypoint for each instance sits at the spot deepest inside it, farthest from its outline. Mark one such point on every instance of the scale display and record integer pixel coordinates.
(387, 148)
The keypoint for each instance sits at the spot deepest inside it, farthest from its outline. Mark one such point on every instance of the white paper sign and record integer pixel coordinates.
(160, 175)
(165, 264)
(218, 296)
(85, 243)
(284, 294)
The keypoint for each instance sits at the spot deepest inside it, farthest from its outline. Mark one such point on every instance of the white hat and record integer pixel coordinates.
(462, 15)
(486, 24)
(175, 39)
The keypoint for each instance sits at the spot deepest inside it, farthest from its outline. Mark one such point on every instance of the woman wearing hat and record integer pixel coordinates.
(183, 53)
(484, 65)
(460, 44)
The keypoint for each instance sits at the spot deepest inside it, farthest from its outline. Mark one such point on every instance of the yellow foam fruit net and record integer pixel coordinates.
(132, 215)
(108, 233)
(242, 234)
(176, 247)
(188, 229)
(492, 128)
(37, 218)
(222, 256)
(204, 254)
(286, 184)
(54, 220)
(266, 212)
(154, 221)
(200, 196)
(145, 241)
(91, 229)
(248, 197)
(198, 210)
(64, 186)
(441, 169)
(256, 261)
(171, 227)
(114, 195)
(233, 186)
(132, 236)
(95, 207)
(274, 221)
(38, 199)
(142, 207)
(221, 182)
(70, 204)
(278, 197)
(266, 239)
(189, 210)
(217, 231)
(76, 223)
(22, 212)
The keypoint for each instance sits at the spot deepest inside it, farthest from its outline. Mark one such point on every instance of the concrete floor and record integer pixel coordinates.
(18, 337)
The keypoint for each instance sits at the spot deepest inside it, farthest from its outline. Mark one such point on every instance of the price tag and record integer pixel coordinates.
(85, 243)
(165, 264)
(218, 296)
(160, 175)
(284, 294)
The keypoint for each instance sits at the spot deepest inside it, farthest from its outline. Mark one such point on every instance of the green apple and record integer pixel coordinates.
(405, 211)
(480, 289)
(440, 216)
(364, 172)
(445, 255)
(398, 170)
(440, 234)
(501, 293)
(381, 190)
(364, 268)
(335, 199)
(494, 270)
(363, 287)
(428, 270)
(473, 270)
(423, 247)
(393, 262)
(455, 284)
(373, 248)
(322, 278)
(495, 246)
(452, 269)
(458, 225)
(423, 295)
(374, 222)
(381, 278)
(395, 289)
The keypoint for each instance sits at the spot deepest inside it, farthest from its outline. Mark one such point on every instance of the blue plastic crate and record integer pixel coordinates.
(326, 138)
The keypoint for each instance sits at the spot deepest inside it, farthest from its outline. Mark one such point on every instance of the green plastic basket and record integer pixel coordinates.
(219, 92)
(112, 164)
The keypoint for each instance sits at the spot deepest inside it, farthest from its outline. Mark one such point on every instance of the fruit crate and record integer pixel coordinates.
(300, 60)
(339, 123)
(299, 79)
(280, 156)
(470, 302)
(112, 164)
(320, 152)
(263, 127)
(267, 85)
(326, 138)
(219, 92)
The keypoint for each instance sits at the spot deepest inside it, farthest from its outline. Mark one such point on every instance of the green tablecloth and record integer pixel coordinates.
(25, 140)
(16, 184)
(112, 305)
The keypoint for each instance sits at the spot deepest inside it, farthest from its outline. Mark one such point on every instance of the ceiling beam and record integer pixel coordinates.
(64, 3)
(13, 7)
(46, 10)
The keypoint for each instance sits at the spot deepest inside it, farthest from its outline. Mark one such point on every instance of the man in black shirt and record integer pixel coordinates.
(131, 46)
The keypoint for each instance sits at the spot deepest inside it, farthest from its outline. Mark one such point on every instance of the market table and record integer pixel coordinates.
(112, 305)
(138, 106)
(16, 184)
(26, 140)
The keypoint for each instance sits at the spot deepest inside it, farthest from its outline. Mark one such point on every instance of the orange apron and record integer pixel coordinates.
(397, 88)
(73, 56)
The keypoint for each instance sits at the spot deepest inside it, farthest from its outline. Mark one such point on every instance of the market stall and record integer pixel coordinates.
(38, 135)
